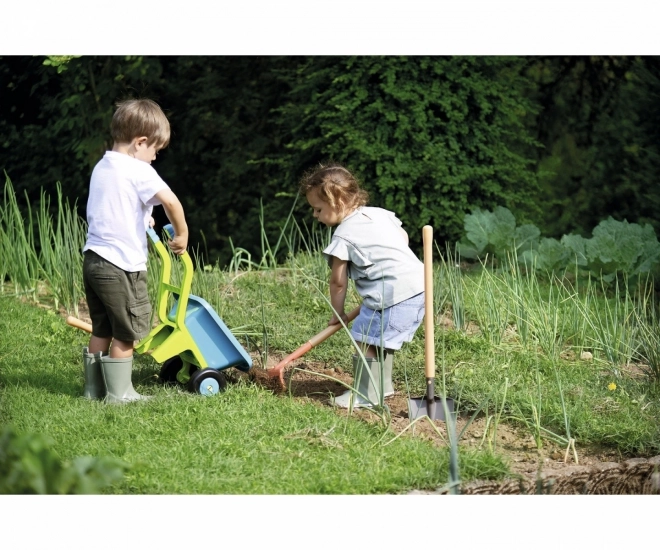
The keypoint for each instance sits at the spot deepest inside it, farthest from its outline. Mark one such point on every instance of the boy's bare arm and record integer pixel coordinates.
(174, 212)
(338, 287)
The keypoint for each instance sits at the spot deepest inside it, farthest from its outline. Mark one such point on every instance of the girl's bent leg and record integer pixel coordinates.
(371, 352)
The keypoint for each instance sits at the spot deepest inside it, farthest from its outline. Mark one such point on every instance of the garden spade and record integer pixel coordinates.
(429, 405)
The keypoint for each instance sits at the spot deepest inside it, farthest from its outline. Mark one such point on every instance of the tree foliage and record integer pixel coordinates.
(55, 124)
(429, 136)
(599, 125)
(432, 138)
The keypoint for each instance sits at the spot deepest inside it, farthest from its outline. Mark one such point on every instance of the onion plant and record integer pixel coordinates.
(646, 328)
(448, 287)
(489, 305)
(269, 254)
(544, 317)
(20, 258)
(575, 324)
(241, 260)
(612, 325)
(518, 283)
(60, 251)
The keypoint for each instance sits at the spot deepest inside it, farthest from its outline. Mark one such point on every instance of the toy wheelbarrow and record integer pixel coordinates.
(191, 341)
(191, 334)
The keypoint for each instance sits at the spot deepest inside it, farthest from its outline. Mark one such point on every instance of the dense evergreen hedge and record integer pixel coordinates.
(561, 142)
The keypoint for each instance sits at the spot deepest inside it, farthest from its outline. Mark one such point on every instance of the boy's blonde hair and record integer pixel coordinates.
(140, 117)
(335, 185)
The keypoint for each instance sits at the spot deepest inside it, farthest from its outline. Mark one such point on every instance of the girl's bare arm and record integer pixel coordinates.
(338, 287)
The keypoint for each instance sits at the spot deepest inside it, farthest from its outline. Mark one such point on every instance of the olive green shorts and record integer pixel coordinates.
(118, 300)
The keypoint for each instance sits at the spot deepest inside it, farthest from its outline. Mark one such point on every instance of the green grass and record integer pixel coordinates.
(243, 441)
(513, 357)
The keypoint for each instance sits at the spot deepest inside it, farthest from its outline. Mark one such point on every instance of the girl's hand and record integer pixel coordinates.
(335, 321)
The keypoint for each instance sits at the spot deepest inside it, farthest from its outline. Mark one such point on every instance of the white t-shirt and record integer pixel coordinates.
(121, 198)
(384, 268)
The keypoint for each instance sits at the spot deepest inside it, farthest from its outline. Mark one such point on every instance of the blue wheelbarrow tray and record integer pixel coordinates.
(215, 341)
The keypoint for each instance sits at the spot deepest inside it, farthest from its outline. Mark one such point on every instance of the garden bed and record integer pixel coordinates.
(550, 470)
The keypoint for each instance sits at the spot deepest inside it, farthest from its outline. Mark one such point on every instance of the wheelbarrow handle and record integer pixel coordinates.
(77, 323)
(169, 229)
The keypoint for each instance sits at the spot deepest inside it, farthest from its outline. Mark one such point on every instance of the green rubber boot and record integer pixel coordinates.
(94, 385)
(117, 375)
(364, 384)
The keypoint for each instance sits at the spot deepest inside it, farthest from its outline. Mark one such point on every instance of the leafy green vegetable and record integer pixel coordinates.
(615, 248)
(576, 244)
(550, 255)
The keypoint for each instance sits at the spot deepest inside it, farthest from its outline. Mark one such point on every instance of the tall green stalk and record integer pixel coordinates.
(613, 325)
(61, 251)
(448, 287)
(646, 328)
(268, 253)
(488, 304)
(21, 260)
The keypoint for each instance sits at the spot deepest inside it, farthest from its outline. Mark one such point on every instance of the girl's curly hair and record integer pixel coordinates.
(335, 185)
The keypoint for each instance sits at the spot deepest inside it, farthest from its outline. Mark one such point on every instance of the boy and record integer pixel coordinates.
(123, 189)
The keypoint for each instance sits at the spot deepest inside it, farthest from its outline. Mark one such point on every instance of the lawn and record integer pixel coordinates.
(567, 362)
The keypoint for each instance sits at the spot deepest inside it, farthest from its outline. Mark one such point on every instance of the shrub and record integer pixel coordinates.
(29, 466)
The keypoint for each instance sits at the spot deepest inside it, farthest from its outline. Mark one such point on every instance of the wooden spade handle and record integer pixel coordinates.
(77, 323)
(429, 340)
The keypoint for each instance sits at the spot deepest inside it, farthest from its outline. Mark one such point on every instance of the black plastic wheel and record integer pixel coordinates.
(207, 382)
(170, 369)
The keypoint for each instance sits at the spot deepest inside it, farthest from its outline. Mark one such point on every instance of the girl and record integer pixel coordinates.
(370, 247)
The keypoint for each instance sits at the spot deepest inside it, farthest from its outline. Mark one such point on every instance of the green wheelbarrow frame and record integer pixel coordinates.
(171, 337)
(191, 330)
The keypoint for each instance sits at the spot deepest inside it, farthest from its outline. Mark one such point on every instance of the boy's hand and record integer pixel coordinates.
(178, 244)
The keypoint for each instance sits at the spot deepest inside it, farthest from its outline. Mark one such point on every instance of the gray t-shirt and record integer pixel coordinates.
(385, 270)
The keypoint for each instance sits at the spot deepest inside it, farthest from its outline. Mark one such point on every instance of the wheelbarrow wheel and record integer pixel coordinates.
(207, 382)
(170, 369)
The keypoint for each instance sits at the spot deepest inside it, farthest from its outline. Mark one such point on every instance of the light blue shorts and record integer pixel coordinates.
(399, 323)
